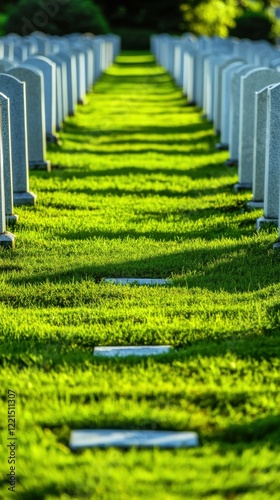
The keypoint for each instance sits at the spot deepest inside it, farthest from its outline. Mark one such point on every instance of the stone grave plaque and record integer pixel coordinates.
(137, 281)
(107, 438)
(123, 351)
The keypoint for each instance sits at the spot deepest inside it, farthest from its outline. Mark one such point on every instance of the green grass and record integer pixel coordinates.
(138, 190)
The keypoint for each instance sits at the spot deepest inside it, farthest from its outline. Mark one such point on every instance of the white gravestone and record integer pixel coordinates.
(21, 52)
(189, 74)
(98, 54)
(8, 49)
(235, 112)
(225, 103)
(199, 77)
(70, 61)
(272, 164)
(6, 239)
(43, 43)
(7, 159)
(213, 82)
(250, 83)
(14, 89)
(218, 90)
(86, 48)
(64, 86)
(178, 62)
(48, 69)
(35, 108)
(80, 74)
(260, 138)
(59, 98)
(6, 64)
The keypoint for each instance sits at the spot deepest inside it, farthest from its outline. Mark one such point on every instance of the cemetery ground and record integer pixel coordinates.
(137, 189)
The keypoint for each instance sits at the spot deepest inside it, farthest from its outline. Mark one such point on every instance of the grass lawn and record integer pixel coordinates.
(137, 189)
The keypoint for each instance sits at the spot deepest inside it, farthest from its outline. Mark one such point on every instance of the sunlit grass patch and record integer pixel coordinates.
(138, 190)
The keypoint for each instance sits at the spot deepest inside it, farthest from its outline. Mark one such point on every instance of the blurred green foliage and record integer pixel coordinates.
(56, 17)
(244, 18)
(3, 21)
(210, 18)
(136, 20)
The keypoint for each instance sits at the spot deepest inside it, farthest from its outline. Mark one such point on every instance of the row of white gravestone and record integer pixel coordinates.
(237, 84)
(42, 79)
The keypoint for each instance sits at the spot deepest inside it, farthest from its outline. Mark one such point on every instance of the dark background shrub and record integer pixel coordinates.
(253, 25)
(56, 17)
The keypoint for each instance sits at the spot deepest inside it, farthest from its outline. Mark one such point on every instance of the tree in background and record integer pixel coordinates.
(56, 17)
(257, 21)
(157, 15)
(135, 20)
(210, 17)
(242, 18)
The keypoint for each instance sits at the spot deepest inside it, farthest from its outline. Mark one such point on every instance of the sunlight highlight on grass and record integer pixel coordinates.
(137, 189)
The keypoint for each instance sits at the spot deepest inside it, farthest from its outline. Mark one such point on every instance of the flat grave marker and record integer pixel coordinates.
(106, 438)
(123, 351)
(138, 281)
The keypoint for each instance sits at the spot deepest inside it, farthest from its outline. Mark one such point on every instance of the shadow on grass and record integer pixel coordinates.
(142, 193)
(133, 130)
(157, 140)
(235, 269)
(203, 172)
(171, 152)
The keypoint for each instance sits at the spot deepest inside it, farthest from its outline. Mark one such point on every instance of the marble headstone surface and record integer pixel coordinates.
(272, 163)
(14, 89)
(218, 90)
(71, 70)
(80, 74)
(6, 239)
(48, 69)
(259, 153)
(252, 82)
(35, 109)
(235, 110)
(7, 158)
(64, 85)
(225, 101)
